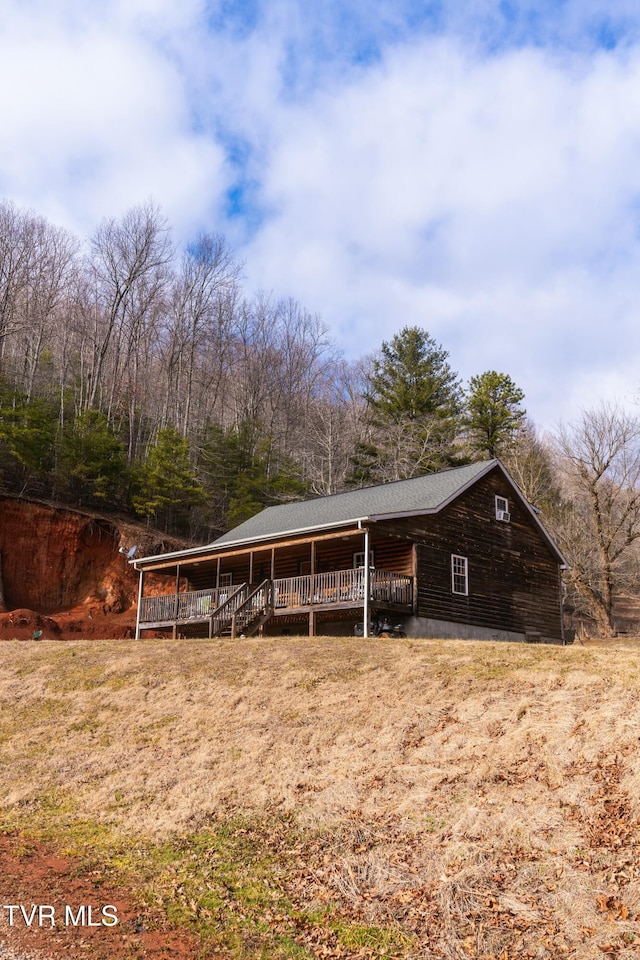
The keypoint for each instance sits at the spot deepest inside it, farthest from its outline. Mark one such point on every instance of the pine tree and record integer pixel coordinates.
(244, 473)
(27, 440)
(493, 412)
(91, 460)
(414, 402)
(166, 485)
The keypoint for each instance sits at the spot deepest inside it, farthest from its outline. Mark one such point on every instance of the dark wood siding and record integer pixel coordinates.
(513, 573)
(393, 554)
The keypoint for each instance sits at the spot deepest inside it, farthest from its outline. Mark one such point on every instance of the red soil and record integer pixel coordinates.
(32, 874)
(63, 574)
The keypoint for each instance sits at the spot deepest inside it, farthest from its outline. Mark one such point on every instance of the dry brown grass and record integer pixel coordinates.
(473, 799)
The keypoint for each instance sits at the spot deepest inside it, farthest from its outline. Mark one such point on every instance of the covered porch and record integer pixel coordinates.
(351, 574)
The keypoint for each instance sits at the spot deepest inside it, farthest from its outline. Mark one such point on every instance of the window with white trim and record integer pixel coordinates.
(502, 509)
(459, 575)
(358, 559)
(226, 579)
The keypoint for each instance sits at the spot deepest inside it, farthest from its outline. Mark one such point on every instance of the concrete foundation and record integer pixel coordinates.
(425, 627)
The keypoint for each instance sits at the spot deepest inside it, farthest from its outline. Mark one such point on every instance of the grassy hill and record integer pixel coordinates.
(340, 797)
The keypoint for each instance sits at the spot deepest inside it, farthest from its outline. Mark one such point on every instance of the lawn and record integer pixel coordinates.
(288, 798)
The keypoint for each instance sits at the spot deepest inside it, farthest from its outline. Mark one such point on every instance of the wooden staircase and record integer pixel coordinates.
(244, 612)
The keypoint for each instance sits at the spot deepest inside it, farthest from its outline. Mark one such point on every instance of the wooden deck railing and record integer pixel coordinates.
(342, 586)
(391, 587)
(338, 587)
(194, 605)
(227, 609)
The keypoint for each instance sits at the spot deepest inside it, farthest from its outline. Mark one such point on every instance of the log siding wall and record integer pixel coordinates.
(513, 574)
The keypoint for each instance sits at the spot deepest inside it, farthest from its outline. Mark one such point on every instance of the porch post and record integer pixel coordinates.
(312, 574)
(251, 566)
(366, 583)
(273, 563)
(140, 590)
(218, 574)
(174, 631)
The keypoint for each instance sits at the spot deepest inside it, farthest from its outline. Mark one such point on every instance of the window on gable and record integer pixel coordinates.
(502, 509)
(459, 575)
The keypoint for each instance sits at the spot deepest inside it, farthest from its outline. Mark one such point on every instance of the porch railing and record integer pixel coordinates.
(391, 587)
(225, 613)
(194, 605)
(254, 608)
(342, 586)
(337, 587)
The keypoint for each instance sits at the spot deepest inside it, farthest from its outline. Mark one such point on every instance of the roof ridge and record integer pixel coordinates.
(385, 483)
(424, 493)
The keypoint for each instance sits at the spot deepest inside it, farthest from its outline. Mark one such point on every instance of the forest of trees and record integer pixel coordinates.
(141, 378)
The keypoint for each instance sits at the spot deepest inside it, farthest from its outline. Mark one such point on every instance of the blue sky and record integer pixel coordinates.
(469, 166)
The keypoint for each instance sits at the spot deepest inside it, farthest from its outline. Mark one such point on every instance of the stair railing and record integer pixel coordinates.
(223, 615)
(255, 605)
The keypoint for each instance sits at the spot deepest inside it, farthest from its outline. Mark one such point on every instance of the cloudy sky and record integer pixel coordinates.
(468, 166)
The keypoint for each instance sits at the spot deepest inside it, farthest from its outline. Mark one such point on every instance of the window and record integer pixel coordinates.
(459, 575)
(226, 579)
(502, 509)
(304, 568)
(358, 559)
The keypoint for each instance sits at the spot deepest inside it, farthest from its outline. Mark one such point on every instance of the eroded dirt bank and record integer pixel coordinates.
(63, 575)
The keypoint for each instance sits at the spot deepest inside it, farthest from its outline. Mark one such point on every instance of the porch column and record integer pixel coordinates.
(560, 597)
(218, 574)
(140, 590)
(312, 623)
(366, 582)
(174, 631)
(251, 566)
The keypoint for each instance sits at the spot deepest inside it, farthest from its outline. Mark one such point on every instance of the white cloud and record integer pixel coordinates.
(446, 173)
(492, 201)
(98, 118)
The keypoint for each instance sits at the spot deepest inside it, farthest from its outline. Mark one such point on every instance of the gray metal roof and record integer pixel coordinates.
(418, 495)
(427, 494)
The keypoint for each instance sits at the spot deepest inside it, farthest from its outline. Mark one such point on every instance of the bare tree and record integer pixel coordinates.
(199, 325)
(599, 523)
(17, 254)
(530, 460)
(128, 275)
(53, 260)
(333, 426)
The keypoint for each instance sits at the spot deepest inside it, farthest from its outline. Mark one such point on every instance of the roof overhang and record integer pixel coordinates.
(217, 548)
(245, 543)
(491, 465)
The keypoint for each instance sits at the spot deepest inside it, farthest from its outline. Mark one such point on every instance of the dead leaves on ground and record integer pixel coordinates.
(511, 903)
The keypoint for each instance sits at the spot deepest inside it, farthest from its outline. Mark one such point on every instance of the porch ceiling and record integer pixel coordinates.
(208, 562)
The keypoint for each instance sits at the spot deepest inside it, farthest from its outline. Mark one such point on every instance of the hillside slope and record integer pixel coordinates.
(343, 798)
(62, 573)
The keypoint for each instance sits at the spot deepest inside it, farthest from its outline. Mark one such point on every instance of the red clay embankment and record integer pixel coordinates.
(63, 575)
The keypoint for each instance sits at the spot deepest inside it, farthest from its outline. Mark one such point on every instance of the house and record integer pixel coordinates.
(459, 553)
